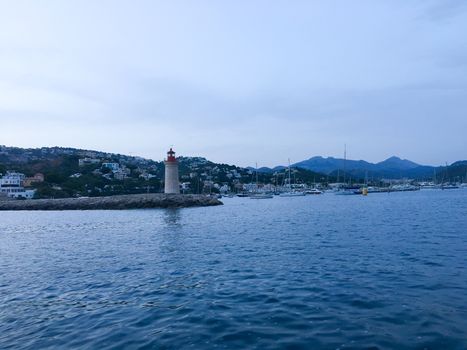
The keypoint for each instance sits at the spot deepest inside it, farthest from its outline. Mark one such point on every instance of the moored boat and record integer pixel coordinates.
(449, 186)
(243, 195)
(349, 190)
(313, 191)
(292, 194)
(261, 196)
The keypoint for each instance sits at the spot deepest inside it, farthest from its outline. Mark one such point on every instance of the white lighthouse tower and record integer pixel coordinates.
(171, 173)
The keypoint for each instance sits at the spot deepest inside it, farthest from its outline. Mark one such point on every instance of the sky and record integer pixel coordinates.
(237, 81)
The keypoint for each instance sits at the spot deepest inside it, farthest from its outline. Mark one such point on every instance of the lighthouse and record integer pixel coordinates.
(171, 173)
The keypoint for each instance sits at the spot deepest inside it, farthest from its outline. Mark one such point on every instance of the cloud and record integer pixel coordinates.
(248, 81)
(444, 10)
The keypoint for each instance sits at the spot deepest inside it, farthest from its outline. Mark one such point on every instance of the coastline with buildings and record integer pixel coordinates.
(12, 184)
(53, 173)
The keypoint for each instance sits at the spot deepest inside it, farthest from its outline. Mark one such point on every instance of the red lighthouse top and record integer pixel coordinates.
(171, 156)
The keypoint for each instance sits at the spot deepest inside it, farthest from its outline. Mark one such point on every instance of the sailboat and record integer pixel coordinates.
(464, 183)
(291, 193)
(448, 185)
(257, 194)
(313, 191)
(347, 189)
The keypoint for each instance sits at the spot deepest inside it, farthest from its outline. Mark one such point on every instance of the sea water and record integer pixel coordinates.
(386, 271)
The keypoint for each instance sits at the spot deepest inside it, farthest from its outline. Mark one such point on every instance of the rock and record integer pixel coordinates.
(132, 201)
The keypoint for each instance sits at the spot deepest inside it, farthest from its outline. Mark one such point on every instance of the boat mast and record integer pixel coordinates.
(345, 158)
(256, 189)
(447, 173)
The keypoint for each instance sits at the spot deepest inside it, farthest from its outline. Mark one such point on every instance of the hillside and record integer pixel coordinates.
(70, 172)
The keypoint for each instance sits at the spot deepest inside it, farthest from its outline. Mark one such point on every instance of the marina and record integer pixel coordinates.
(344, 190)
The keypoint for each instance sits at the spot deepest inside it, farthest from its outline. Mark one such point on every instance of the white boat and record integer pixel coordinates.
(371, 189)
(261, 196)
(257, 194)
(349, 191)
(429, 187)
(404, 188)
(449, 186)
(291, 193)
(313, 191)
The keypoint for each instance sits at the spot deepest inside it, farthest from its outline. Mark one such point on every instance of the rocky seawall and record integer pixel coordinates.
(132, 201)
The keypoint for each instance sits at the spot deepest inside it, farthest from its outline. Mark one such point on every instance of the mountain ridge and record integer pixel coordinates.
(393, 167)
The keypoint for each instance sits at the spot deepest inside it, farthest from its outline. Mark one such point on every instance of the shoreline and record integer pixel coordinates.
(118, 202)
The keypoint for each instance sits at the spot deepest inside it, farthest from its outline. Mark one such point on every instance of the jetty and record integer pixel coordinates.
(119, 202)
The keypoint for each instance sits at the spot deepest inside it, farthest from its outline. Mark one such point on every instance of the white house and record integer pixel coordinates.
(112, 166)
(11, 185)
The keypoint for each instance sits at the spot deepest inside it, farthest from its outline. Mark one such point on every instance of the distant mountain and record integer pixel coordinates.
(263, 169)
(330, 164)
(396, 163)
(393, 167)
(267, 170)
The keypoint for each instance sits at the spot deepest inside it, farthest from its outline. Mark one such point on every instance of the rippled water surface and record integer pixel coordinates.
(316, 272)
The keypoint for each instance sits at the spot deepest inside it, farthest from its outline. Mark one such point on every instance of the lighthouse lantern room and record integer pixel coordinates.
(172, 184)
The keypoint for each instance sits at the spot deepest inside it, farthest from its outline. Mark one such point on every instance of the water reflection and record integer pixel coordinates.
(172, 218)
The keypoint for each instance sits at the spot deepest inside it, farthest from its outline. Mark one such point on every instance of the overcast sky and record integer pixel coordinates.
(237, 81)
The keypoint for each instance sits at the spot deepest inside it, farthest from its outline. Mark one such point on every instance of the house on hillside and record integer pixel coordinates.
(37, 178)
(12, 185)
(114, 167)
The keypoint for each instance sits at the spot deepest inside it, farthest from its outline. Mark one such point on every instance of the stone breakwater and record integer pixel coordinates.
(132, 201)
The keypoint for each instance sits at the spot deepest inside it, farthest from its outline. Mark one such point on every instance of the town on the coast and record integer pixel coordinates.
(72, 173)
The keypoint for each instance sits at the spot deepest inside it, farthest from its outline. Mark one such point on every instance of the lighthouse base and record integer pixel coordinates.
(172, 184)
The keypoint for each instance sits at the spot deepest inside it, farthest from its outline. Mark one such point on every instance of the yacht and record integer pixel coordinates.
(313, 191)
(349, 190)
(261, 196)
(449, 186)
(404, 188)
(257, 194)
(243, 194)
(291, 192)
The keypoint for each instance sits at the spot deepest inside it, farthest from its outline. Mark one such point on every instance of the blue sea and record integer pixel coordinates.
(386, 271)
